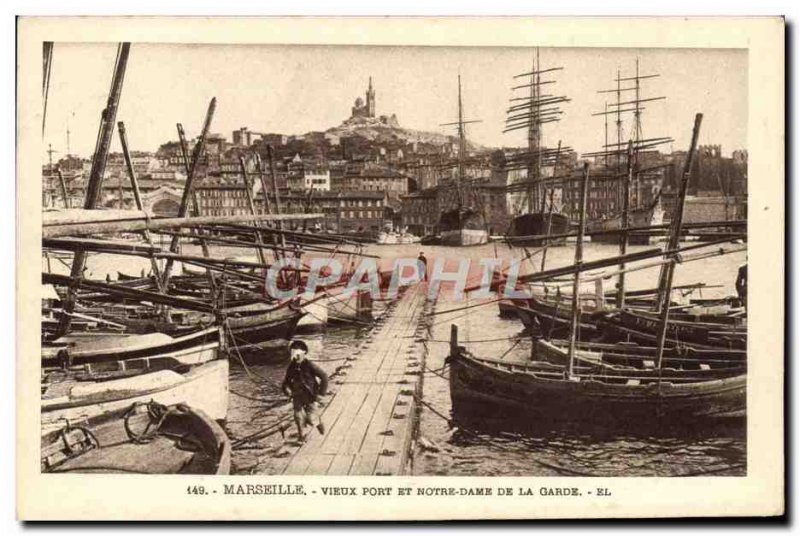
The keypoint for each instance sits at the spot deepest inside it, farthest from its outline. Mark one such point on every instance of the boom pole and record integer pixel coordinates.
(573, 337)
(137, 198)
(668, 270)
(93, 188)
(199, 148)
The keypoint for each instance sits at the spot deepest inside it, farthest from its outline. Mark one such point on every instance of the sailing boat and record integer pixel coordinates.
(462, 225)
(641, 214)
(535, 110)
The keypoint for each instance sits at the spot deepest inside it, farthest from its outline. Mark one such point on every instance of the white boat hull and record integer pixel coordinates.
(204, 387)
(316, 315)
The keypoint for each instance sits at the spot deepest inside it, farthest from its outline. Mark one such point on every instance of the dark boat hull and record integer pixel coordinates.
(506, 309)
(538, 224)
(554, 320)
(478, 387)
(263, 338)
(631, 326)
(462, 227)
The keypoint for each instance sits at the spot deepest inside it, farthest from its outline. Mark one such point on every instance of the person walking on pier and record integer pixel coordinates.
(305, 382)
(423, 266)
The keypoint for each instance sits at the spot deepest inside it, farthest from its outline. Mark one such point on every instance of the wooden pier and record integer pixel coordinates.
(373, 414)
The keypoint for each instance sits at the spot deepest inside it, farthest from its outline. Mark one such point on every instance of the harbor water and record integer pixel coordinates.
(490, 447)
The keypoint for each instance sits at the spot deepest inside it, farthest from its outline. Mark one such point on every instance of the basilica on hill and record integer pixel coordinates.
(364, 112)
(362, 109)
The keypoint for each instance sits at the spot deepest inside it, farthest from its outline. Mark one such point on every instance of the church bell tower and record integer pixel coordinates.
(370, 100)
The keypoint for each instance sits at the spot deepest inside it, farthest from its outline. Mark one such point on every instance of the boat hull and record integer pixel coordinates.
(170, 429)
(506, 309)
(553, 320)
(464, 237)
(190, 349)
(642, 217)
(204, 387)
(538, 224)
(257, 328)
(478, 387)
(462, 227)
(315, 317)
(643, 328)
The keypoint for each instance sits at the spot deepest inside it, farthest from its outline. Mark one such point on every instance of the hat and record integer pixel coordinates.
(299, 345)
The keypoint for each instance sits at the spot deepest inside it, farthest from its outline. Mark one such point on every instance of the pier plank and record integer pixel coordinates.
(341, 465)
(319, 464)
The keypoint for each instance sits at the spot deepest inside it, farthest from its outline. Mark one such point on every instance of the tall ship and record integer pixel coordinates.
(624, 165)
(463, 224)
(539, 194)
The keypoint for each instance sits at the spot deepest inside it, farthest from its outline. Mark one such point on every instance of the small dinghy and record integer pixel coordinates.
(147, 438)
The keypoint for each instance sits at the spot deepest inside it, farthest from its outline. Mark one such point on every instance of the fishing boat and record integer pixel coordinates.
(315, 315)
(699, 331)
(198, 347)
(263, 336)
(619, 358)
(349, 306)
(543, 394)
(144, 438)
(553, 317)
(431, 240)
(72, 397)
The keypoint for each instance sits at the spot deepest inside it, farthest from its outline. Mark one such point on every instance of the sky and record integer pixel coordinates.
(295, 89)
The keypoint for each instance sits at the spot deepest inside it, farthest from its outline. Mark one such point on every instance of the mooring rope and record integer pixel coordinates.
(250, 374)
(499, 339)
(256, 399)
(511, 348)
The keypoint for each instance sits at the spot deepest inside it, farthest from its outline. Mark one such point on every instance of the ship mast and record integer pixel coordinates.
(461, 141)
(530, 113)
(462, 146)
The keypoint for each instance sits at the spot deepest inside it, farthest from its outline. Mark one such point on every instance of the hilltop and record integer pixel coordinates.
(386, 130)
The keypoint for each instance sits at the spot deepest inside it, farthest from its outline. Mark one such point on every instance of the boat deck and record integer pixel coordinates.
(371, 418)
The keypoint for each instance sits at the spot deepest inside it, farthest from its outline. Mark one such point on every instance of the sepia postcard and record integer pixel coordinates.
(451, 268)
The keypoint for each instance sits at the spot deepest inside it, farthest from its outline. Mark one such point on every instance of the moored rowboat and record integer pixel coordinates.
(542, 394)
(144, 438)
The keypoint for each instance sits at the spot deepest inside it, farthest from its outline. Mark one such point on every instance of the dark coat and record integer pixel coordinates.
(422, 262)
(305, 381)
(741, 280)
